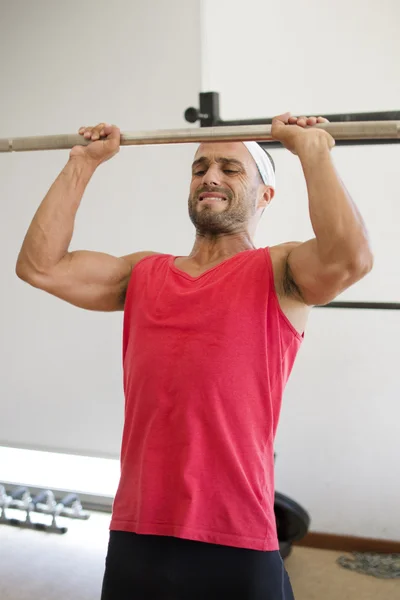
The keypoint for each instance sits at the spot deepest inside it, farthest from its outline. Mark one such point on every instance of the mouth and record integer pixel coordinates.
(212, 197)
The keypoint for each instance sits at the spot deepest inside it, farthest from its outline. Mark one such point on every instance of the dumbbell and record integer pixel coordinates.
(72, 507)
(21, 499)
(45, 503)
(5, 501)
(69, 506)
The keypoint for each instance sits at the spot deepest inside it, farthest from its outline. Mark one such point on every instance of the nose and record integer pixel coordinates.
(212, 176)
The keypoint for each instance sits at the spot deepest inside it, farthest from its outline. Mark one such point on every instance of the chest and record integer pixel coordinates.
(296, 312)
(188, 266)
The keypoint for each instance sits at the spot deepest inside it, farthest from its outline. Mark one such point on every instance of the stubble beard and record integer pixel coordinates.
(233, 217)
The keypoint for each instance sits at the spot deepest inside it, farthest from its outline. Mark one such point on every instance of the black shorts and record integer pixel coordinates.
(150, 567)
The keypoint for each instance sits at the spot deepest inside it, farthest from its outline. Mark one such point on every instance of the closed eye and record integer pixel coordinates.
(229, 171)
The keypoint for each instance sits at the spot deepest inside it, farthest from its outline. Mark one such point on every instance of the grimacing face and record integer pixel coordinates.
(226, 190)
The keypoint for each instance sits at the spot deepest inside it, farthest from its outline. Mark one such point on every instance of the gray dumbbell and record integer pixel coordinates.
(72, 507)
(45, 503)
(5, 501)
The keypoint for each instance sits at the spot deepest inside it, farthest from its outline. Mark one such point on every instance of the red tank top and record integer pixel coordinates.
(205, 363)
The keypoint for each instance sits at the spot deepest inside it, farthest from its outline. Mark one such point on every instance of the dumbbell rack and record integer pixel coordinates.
(45, 503)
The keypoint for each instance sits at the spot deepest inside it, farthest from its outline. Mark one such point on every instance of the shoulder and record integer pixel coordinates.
(283, 250)
(131, 261)
(136, 257)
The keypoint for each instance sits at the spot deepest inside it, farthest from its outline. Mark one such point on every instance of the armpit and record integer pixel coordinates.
(289, 285)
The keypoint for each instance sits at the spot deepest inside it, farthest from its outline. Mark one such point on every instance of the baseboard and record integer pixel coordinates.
(343, 543)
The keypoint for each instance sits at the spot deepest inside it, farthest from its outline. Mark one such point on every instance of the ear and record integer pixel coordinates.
(266, 195)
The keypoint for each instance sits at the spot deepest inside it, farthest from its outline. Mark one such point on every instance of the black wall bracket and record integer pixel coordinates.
(209, 116)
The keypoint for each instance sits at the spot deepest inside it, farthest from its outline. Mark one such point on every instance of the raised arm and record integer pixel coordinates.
(90, 280)
(340, 255)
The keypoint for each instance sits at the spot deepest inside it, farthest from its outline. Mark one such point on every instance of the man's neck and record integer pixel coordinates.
(209, 249)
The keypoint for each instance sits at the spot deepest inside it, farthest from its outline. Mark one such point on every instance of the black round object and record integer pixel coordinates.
(191, 114)
(285, 549)
(292, 520)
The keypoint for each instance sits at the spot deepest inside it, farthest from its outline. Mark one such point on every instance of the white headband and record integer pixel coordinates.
(263, 163)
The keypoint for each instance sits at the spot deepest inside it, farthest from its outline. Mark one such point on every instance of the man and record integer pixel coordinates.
(209, 343)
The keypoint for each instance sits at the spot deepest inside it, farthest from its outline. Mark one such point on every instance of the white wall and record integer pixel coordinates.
(338, 441)
(138, 64)
(66, 64)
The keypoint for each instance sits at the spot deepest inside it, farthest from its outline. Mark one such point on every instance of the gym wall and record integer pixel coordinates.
(338, 435)
(136, 64)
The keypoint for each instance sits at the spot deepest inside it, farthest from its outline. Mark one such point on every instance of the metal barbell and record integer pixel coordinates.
(354, 130)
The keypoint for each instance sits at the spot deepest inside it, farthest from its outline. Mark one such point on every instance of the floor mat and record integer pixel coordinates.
(383, 566)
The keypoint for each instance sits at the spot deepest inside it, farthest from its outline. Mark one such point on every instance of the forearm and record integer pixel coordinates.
(50, 233)
(337, 223)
